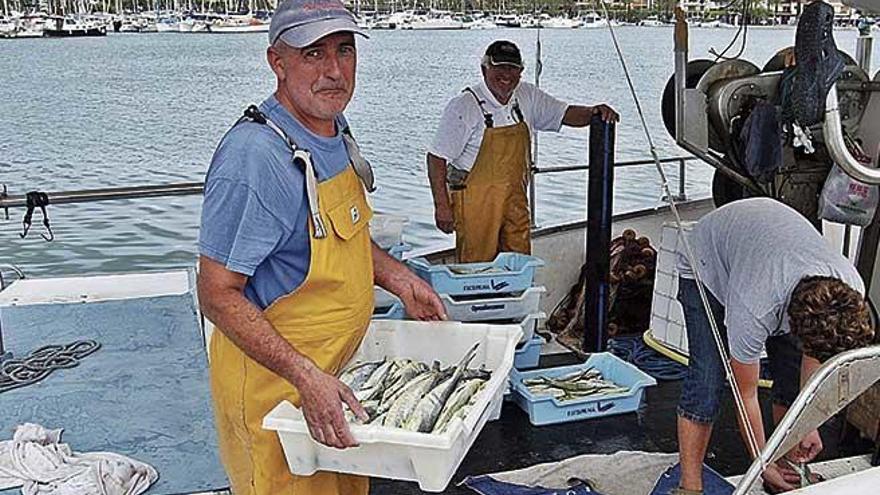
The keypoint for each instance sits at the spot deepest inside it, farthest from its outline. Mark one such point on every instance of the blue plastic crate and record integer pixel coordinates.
(510, 272)
(396, 251)
(528, 323)
(386, 306)
(394, 312)
(545, 410)
(493, 306)
(528, 354)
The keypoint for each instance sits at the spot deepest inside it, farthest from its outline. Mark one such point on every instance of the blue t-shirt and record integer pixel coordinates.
(255, 211)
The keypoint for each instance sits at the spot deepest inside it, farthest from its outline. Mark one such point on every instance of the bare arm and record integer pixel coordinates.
(222, 300)
(442, 208)
(580, 115)
(747, 376)
(419, 298)
(747, 380)
(221, 297)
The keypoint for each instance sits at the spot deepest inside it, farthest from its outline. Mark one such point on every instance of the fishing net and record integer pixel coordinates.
(632, 264)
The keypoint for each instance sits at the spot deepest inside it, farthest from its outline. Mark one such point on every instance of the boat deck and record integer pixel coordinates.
(512, 443)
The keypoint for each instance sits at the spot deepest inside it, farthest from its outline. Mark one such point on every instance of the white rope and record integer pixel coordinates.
(719, 342)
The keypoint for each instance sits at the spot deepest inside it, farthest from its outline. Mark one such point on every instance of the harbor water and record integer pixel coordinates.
(138, 109)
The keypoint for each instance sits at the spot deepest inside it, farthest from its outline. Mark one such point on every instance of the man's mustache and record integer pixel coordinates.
(329, 86)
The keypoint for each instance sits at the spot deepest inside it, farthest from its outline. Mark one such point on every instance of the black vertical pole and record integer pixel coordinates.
(599, 209)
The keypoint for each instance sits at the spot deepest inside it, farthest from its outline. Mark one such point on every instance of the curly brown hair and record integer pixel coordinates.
(829, 317)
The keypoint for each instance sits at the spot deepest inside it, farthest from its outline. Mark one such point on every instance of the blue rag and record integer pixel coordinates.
(485, 485)
(713, 483)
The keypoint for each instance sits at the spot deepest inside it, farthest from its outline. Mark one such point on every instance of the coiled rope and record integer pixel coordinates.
(634, 350)
(16, 373)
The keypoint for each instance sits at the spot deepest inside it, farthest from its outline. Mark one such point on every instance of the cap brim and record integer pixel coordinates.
(305, 35)
(514, 64)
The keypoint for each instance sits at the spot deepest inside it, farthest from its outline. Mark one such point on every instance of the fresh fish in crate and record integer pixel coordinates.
(375, 384)
(407, 394)
(466, 270)
(586, 383)
(358, 374)
(429, 407)
(405, 404)
(403, 375)
(459, 400)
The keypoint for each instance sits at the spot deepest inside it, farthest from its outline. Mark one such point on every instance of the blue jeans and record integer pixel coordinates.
(704, 383)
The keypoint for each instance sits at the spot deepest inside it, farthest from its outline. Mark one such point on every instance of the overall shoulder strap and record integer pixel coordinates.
(300, 157)
(487, 117)
(361, 165)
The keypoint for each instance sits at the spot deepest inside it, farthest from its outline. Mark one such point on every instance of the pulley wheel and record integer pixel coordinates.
(695, 71)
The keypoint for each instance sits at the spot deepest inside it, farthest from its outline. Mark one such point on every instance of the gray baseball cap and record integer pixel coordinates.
(299, 23)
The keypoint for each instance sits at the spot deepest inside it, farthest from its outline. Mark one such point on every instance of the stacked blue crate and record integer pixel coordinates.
(398, 250)
(387, 232)
(386, 306)
(498, 292)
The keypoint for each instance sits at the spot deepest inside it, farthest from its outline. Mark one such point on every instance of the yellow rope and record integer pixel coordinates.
(678, 357)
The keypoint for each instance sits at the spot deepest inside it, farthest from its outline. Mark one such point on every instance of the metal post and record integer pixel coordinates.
(682, 172)
(680, 61)
(533, 195)
(599, 211)
(864, 46)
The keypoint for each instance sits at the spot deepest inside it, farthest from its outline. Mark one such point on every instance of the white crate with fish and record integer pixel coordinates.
(508, 273)
(602, 386)
(427, 403)
(483, 308)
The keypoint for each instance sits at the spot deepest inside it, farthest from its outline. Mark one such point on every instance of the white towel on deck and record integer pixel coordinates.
(37, 461)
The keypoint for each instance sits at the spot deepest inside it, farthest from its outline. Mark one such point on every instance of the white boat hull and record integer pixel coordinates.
(253, 28)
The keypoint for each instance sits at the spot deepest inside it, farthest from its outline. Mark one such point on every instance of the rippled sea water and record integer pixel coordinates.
(149, 109)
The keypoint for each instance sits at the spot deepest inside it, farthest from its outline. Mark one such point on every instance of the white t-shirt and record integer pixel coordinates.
(752, 254)
(460, 133)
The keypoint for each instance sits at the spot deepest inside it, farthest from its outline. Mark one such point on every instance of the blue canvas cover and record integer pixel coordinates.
(145, 393)
(713, 483)
(486, 485)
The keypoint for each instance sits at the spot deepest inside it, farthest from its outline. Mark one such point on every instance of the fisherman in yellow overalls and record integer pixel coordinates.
(287, 266)
(479, 163)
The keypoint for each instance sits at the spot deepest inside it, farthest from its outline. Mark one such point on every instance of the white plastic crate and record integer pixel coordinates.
(387, 230)
(667, 318)
(430, 460)
(512, 306)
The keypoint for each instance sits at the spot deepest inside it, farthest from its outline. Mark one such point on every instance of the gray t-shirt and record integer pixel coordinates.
(752, 253)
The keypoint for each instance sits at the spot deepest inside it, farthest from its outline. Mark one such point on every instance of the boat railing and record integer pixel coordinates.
(681, 161)
(8, 201)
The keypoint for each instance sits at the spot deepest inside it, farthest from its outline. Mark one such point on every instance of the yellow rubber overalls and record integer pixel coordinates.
(491, 208)
(324, 319)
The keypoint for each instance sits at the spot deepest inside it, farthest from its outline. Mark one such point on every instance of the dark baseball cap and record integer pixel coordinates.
(503, 52)
(299, 23)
